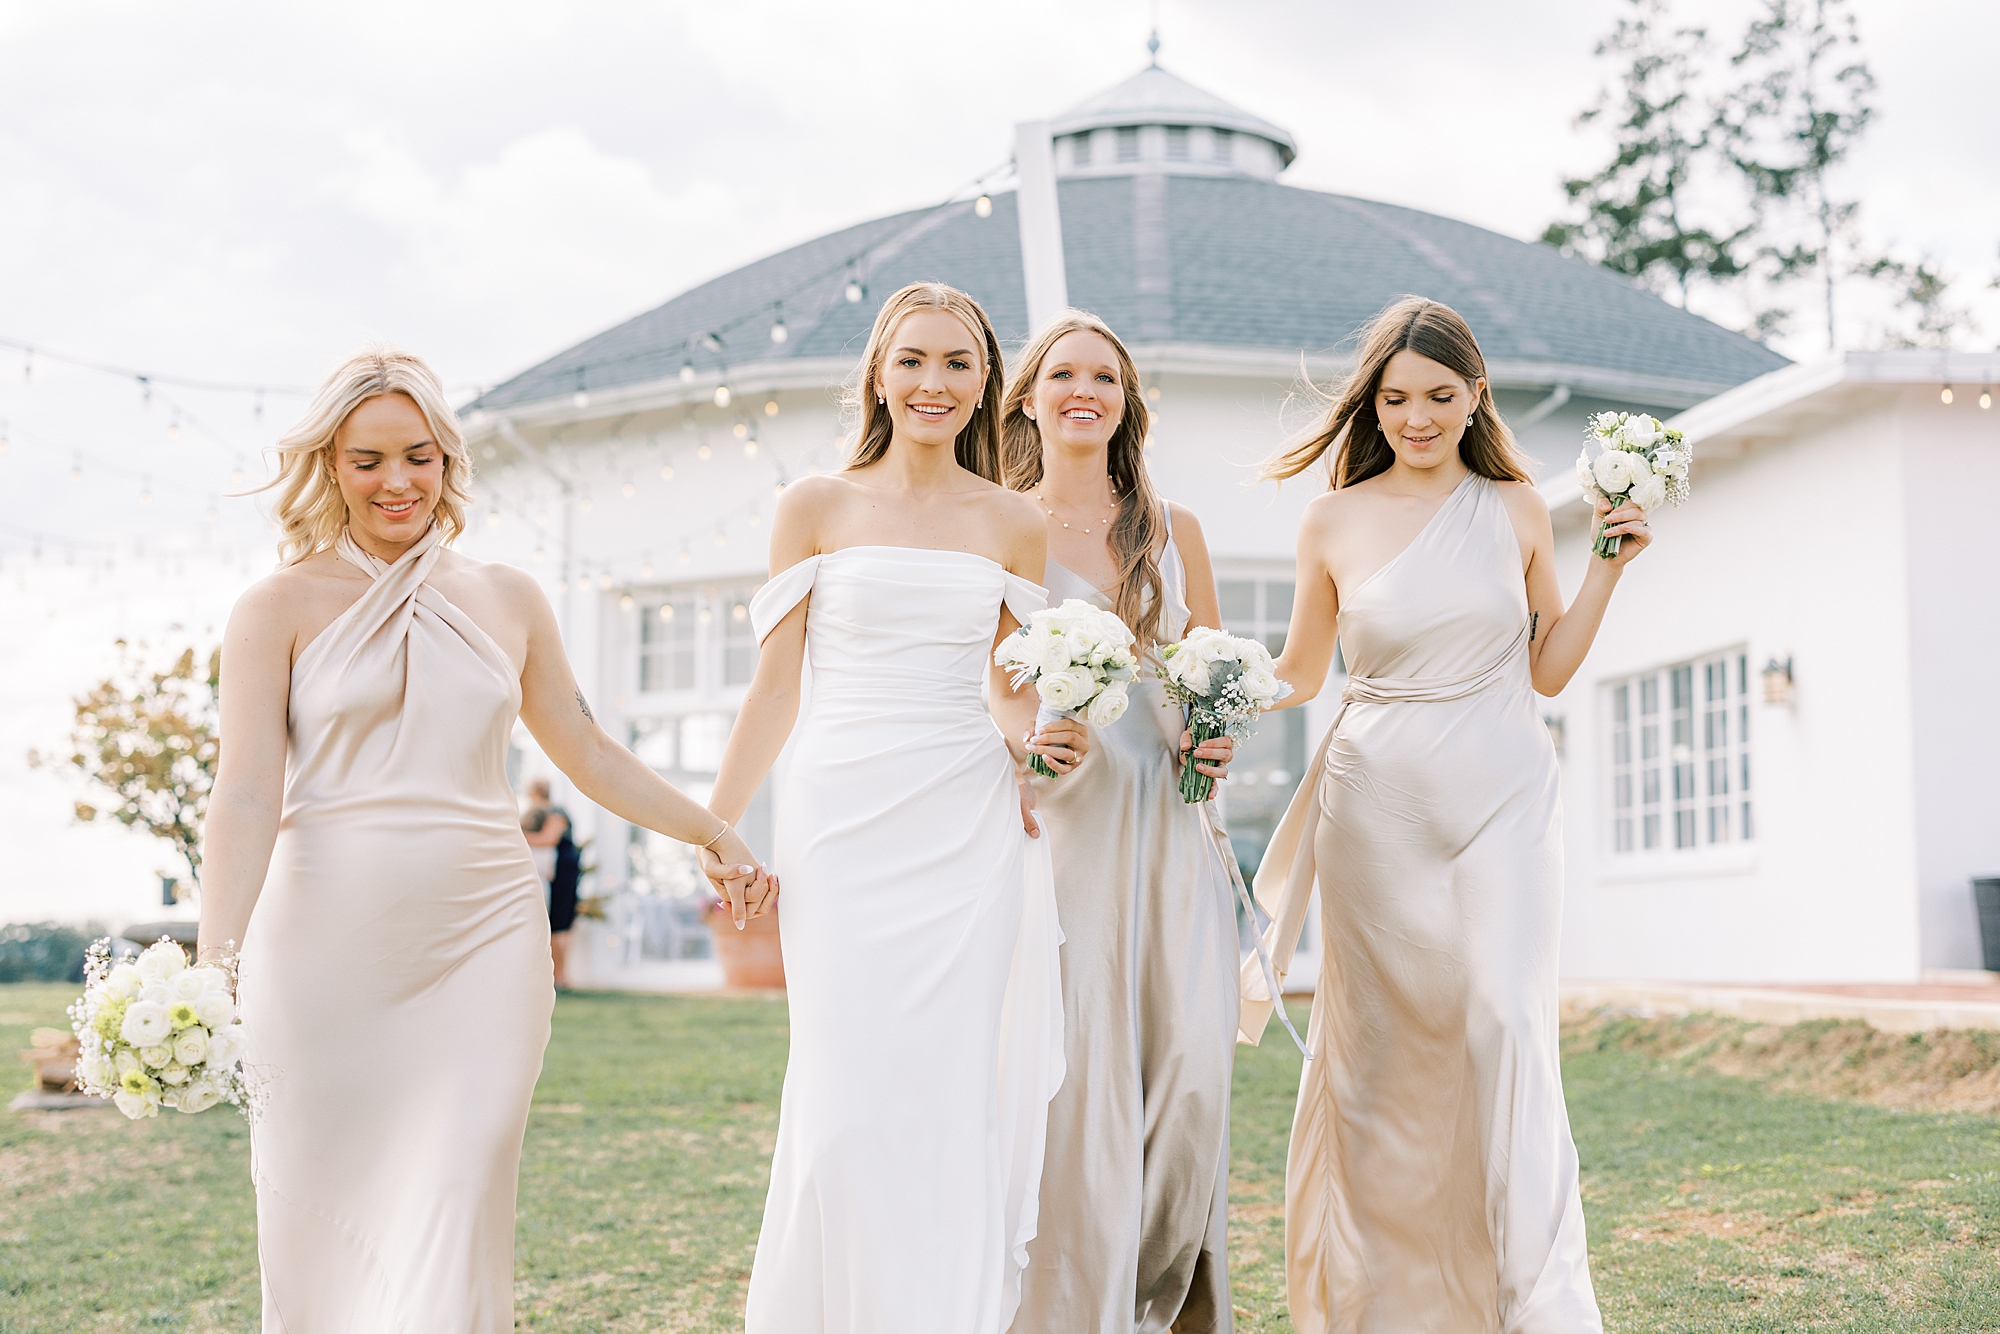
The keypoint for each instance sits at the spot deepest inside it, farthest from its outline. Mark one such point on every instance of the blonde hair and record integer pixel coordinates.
(310, 510)
(977, 447)
(1139, 598)
(1353, 431)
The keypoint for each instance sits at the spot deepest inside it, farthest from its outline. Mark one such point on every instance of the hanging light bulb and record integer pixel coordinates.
(541, 518)
(750, 448)
(666, 472)
(539, 554)
(646, 569)
(702, 451)
(146, 492)
(562, 585)
(687, 372)
(983, 206)
(236, 475)
(666, 611)
(722, 396)
(1985, 401)
(721, 538)
(687, 558)
(771, 406)
(705, 615)
(779, 333)
(492, 518)
(855, 291)
(1945, 396)
(629, 490)
(174, 427)
(754, 518)
(625, 602)
(604, 583)
(740, 430)
(584, 505)
(213, 513)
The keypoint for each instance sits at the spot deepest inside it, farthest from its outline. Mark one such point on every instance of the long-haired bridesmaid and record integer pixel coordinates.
(1432, 1182)
(1135, 1189)
(362, 845)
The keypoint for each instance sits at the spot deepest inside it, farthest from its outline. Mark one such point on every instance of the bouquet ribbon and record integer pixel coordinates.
(1045, 715)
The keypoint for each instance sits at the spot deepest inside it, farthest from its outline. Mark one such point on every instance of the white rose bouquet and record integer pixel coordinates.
(1222, 683)
(1638, 460)
(1082, 661)
(156, 1033)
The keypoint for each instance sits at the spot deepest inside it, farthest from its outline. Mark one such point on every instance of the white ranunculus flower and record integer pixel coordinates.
(1649, 492)
(174, 1074)
(159, 962)
(1260, 685)
(199, 1096)
(94, 1068)
(1066, 689)
(1109, 706)
(124, 1063)
(1613, 470)
(188, 984)
(1606, 423)
(225, 1046)
(124, 983)
(191, 1046)
(145, 1023)
(1639, 432)
(156, 1057)
(215, 1008)
(136, 1105)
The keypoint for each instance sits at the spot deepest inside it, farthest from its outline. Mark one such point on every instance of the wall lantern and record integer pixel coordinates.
(1778, 681)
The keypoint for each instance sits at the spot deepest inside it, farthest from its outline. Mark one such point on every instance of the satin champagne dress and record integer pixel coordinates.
(1431, 1186)
(1135, 1193)
(395, 979)
(921, 961)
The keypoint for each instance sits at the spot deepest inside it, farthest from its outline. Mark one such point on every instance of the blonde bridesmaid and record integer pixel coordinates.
(363, 847)
(1432, 1182)
(1134, 1225)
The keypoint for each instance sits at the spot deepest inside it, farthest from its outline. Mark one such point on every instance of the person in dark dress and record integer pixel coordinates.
(547, 828)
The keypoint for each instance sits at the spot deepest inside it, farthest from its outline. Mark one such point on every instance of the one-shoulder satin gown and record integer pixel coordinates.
(921, 961)
(1431, 1186)
(395, 976)
(1134, 1234)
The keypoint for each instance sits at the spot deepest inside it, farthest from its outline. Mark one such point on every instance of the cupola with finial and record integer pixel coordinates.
(1156, 121)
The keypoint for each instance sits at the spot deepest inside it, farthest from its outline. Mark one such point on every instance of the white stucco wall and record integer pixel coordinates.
(1951, 466)
(1793, 549)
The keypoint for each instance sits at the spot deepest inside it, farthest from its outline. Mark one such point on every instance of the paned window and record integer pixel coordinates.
(1128, 144)
(1225, 145)
(1177, 143)
(696, 638)
(1679, 758)
(1079, 149)
(1268, 764)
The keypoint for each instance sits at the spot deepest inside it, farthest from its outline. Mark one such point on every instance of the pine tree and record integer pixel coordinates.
(1636, 208)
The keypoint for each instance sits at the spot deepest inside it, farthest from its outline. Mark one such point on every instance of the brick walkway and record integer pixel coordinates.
(1892, 1007)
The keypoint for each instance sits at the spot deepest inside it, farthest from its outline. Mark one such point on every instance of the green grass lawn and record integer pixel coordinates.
(1714, 1204)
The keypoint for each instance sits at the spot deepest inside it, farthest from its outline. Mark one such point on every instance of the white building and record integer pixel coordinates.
(636, 471)
(1782, 759)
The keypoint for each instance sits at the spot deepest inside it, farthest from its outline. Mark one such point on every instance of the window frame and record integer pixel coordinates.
(1677, 760)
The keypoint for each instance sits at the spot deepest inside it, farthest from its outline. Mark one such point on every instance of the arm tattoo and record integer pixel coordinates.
(585, 707)
(1533, 618)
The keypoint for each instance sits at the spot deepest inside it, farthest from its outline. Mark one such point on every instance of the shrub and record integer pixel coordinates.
(43, 951)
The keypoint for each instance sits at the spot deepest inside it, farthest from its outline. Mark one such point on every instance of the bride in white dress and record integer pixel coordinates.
(919, 911)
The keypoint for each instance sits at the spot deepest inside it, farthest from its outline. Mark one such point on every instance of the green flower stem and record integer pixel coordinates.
(1197, 786)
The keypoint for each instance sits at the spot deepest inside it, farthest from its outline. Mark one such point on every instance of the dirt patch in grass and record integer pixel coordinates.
(1944, 1070)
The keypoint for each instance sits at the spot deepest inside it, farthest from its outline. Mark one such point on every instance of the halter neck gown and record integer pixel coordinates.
(1431, 1186)
(395, 978)
(921, 961)
(1135, 1193)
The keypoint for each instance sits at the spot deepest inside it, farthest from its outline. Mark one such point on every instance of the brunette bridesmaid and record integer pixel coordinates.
(1134, 1218)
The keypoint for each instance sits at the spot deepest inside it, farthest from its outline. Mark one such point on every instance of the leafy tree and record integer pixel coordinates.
(1802, 105)
(1636, 207)
(1925, 292)
(148, 738)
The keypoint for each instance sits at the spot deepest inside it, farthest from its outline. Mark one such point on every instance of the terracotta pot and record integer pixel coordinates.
(752, 957)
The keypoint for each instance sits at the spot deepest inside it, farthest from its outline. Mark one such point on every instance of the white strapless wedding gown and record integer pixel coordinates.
(921, 959)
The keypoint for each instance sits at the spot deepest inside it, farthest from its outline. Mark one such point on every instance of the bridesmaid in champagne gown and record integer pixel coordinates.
(1135, 1191)
(363, 845)
(1432, 1184)
(921, 944)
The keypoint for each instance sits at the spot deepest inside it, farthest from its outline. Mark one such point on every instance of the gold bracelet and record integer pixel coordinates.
(718, 836)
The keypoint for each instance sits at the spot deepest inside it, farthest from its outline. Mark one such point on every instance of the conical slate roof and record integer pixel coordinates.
(1155, 97)
(1227, 263)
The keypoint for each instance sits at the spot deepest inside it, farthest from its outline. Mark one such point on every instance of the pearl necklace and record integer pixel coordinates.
(1043, 501)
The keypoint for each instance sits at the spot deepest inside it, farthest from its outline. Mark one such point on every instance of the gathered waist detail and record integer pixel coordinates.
(907, 689)
(1435, 689)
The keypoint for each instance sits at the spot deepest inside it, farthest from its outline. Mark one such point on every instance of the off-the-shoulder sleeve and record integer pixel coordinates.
(1023, 598)
(784, 591)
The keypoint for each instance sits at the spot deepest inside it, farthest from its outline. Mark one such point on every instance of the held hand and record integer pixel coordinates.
(1028, 820)
(1063, 743)
(1627, 522)
(1211, 757)
(738, 879)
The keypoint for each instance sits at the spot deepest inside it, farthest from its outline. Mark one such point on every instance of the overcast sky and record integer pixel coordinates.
(244, 192)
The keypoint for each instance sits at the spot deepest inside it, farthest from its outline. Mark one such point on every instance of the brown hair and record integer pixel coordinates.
(1139, 598)
(978, 445)
(311, 510)
(1353, 431)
